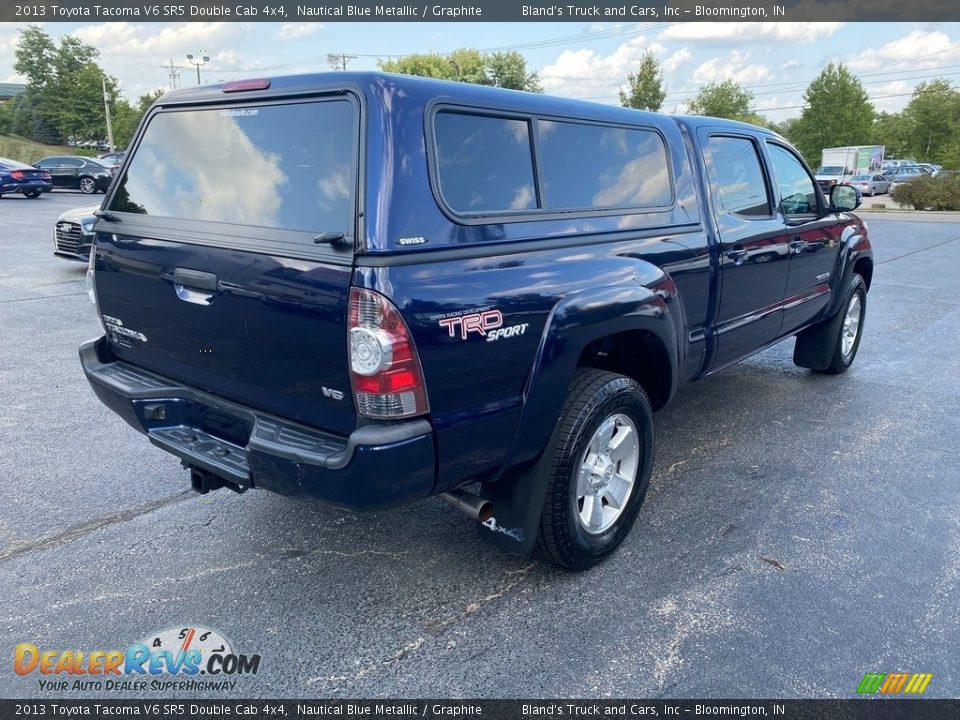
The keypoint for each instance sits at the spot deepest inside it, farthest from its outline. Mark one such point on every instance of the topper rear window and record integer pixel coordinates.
(288, 166)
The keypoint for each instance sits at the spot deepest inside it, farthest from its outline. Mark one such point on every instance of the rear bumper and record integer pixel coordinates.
(376, 467)
(25, 186)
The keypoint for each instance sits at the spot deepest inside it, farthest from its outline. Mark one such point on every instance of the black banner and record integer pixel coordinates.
(666, 11)
(854, 709)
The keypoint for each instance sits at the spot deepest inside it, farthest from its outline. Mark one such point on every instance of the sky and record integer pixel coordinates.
(775, 61)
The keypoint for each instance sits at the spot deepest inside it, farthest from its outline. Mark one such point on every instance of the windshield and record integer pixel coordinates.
(289, 166)
(861, 177)
(831, 170)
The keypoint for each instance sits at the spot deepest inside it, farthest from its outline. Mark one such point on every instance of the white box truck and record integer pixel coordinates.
(839, 164)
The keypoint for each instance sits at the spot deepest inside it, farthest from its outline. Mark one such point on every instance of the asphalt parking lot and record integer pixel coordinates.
(800, 530)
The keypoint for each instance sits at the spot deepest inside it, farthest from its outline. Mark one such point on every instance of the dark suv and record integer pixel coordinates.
(427, 288)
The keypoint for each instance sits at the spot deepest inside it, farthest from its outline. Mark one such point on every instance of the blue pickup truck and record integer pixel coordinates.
(370, 289)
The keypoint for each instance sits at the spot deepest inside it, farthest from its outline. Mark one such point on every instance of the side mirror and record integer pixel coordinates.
(844, 198)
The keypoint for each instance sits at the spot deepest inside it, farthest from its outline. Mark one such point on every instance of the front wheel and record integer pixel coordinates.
(88, 186)
(600, 469)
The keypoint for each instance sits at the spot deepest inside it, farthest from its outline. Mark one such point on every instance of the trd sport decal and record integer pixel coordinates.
(488, 323)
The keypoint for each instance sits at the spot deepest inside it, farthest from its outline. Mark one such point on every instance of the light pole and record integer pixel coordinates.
(198, 64)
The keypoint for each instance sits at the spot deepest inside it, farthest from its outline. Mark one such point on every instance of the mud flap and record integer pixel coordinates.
(815, 346)
(517, 506)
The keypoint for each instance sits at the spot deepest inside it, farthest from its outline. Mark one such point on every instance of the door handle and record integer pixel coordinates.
(194, 286)
(797, 244)
(736, 253)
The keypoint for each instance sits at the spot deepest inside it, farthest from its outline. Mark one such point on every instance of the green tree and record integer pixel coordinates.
(35, 56)
(646, 89)
(127, 117)
(64, 95)
(837, 113)
(933, 121)
(725, 99)
(505, 69)
(509, 70)
(892, 130)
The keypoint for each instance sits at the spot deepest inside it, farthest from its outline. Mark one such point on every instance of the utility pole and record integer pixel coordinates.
(198, 64)
(106, 107)
(174, 72)
(339, 62)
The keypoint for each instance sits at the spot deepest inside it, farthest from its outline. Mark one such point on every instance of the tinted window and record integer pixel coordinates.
(736, 172)
(71, 162)
(598, 167)
(280, 166)
(484, 163)
(796, 188)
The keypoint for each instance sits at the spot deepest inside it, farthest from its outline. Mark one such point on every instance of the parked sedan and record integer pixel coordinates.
(904, 174)
(114, 158)
(73, 233)
(18, 177)
(88, 175)
(869, 184)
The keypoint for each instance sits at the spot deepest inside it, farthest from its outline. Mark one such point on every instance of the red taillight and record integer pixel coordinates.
(18, 175)
(246, 85)
(384, 368)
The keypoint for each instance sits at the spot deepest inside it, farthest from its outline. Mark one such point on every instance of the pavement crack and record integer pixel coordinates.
(42, 297)
(78, 531)
(918, 250)
(292, 553)
(773, 561)
(511, 579)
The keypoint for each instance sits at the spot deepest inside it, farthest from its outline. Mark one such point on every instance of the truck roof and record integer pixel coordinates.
(461, 92)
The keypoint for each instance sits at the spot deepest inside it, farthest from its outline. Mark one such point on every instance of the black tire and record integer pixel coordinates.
(87, 185)
(32, 194)
(594, 397)
(840, 361)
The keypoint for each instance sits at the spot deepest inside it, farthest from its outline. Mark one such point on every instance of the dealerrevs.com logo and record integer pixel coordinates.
(197, 659)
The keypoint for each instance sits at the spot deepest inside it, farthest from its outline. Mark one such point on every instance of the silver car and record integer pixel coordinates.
(869, 184)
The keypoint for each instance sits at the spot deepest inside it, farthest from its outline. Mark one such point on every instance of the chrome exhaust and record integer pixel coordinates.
(475, 506)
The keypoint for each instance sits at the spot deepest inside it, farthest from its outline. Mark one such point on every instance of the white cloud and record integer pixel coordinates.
(738, 33)
(293, 31)
(923, 49)
(676, 60)
(791, 65)
(228, 59)
(735, 67)
(586, 74)
(175, 39)
(899, 88)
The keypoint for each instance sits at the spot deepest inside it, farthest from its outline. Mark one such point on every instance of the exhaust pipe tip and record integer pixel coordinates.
(474, 506)
(485, 511)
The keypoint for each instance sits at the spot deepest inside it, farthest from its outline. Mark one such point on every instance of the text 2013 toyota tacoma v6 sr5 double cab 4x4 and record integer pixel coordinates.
(369, 289)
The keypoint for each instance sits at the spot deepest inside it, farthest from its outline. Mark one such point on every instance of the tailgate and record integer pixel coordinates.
(206, 268)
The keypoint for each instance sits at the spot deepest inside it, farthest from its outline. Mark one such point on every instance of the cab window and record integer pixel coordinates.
(738, 176)
(797, 194)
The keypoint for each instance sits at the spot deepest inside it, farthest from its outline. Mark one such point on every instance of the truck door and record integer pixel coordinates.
(813, 238)
(753, 246)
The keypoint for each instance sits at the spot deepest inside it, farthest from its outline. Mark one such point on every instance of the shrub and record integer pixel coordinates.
(929, 193)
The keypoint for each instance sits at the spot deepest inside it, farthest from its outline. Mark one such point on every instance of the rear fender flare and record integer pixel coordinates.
(577, 320)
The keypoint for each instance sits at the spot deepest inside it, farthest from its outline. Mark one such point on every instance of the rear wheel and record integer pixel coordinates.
(600, 469)
(32, 194)
(88, 186)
